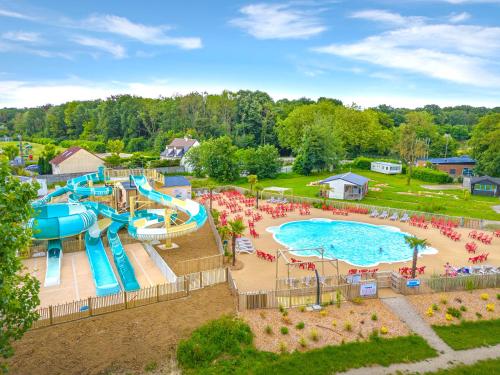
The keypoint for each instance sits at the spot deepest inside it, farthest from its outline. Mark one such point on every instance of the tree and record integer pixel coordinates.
(18, 290)
(252, 180)
(224, 233)
(416, 244)
(263, 161)
(258, 189)
(485, 144)
(48, 153)
(410, 147)
(10, 151)
(237, 228)
(211, 186)
(115, 146)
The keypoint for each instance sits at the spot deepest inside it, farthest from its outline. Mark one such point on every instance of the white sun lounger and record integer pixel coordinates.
(383, 215)
(374, 213)
(394, 216)
(405, 218)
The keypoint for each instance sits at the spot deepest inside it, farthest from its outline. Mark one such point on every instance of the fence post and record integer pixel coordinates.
(290, 299)
(125, 299)
(187, 282)
(89, 303)
(201, 280)
(157, 292)
(50, 315)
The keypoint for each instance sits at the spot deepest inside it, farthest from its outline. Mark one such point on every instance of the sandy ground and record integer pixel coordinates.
(195, 245)
(258, 274)
(331, 327)
(76, 277)
(471, 300)
(122, 342)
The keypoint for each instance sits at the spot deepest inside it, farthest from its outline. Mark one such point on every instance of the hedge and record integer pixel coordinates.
(431, 175)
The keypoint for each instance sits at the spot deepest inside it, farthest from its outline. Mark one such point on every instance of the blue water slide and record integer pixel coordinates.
(59, 220)
(104, 278)
(195, 211)
(122, 262)
(54, 258)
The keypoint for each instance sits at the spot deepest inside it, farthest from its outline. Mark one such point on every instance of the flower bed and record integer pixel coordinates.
(293, 329)
(452, 307)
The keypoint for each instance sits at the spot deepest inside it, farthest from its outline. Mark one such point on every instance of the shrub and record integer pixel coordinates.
(283, 348)
(443, 300)
(281, 308)
(286, 320)
(338, 298)
(302, 308)
(469, 285)
(429, 312)
(454, 312)
(431, 175)
(284, 330)
(479, 315)
(490, 307)
(374, 317)
(302, 342)
(284, 313)
(448, 317)
(362, 163)
(374, 335)
(463, 308)
(357, 301)
(226, 335)
(262, 314)
(484, 296)
(334, 323)
(498, 296)
(268, 330)
(384, 330)
(435, 307)
(348, 326)
(323, 313)
(300, 325)
(314, 335)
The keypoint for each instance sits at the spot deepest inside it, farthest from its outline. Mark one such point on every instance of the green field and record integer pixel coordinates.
(490, 366)
(36, 148)
(396, 194)
(467, 335)
(225, 346)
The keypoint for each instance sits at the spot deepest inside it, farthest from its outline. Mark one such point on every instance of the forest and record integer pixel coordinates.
(326, 128)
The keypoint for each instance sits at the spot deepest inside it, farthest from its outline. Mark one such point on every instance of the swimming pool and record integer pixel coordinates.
(359, 244)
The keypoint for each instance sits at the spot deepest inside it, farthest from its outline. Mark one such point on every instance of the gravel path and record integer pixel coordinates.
(448, 357)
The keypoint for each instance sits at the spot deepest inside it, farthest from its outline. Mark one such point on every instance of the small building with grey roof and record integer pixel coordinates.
(349, 186)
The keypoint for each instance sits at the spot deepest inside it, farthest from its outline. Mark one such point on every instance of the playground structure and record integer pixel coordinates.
(95, 204)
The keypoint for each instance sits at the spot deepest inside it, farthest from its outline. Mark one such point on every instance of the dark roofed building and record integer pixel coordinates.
(485, 185)
(346, 186)
(455, 166)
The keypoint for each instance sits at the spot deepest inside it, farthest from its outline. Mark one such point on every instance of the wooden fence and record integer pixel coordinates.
(199, 264)
(213, 227)
(465, 222)
(93, 306)
(436, 284)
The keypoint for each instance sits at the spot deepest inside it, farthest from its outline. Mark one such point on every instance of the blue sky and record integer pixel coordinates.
(402, 53)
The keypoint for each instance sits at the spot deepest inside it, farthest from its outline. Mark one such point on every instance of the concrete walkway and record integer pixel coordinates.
(447, 357)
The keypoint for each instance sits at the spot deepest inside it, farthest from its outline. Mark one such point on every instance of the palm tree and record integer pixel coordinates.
(252, 180)
(211, 186)
(237, 228)
(416, 244)
(224, 233)
(258, 189)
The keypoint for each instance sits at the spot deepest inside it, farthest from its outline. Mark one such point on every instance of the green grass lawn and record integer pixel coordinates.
(225, 346)
(396, 194)
(36, 148)
(467, 335)
(489, 366)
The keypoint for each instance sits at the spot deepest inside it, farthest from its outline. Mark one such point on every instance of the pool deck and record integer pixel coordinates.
(76, 278)
(258, 274)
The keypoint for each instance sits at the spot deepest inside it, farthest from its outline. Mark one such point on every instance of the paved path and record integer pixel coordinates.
(447, 356)
(405, 311)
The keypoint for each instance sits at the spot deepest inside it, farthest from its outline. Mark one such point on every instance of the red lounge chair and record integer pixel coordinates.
(352, 271)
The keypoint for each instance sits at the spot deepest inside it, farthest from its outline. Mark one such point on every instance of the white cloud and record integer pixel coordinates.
(277, 21)
(143, 33)
(385, 16)
(22, 36)
(458, 17)
(458, 53)
(12, 14)
(114, 49)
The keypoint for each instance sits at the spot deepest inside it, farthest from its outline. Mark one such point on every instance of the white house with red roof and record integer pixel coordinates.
(75, 160)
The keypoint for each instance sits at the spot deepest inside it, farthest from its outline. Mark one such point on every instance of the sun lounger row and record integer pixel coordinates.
(304, 265)
(483, 237)
(480, 258)
(244, 245)
(405, 271)
(471, 247)
(354, 271)
(450, 233)
(277, 200)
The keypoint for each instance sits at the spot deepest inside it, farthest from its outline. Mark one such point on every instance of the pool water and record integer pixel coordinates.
(356, 243)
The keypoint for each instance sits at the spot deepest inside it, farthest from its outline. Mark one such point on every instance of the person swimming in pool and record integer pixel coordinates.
(380, 250)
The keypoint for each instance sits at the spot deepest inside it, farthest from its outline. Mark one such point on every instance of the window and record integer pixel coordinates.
(484, 187)
(453, 171)
(467, 172)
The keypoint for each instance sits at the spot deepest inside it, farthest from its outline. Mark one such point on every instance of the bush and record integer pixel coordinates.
(92, 146)
(348, 327)
(362, 163)
(314, 335)
(302, 342)
(284, 330)
(226, 335)
(454, 312)
(374, 317)
(431, 175)
(300, 325)
(484, 296)
(384, 330)
(164, 163)
(283, 348)
(268, 330)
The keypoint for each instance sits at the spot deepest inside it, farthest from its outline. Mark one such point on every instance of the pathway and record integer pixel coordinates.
(447, 357)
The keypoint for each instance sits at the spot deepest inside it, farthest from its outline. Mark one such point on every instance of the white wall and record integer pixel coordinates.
(336, 189)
